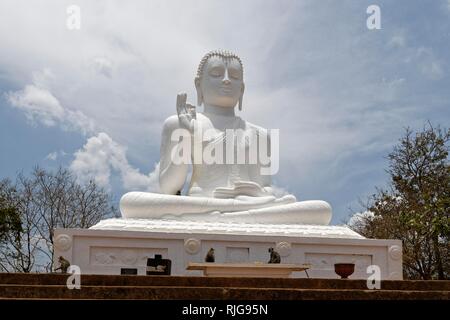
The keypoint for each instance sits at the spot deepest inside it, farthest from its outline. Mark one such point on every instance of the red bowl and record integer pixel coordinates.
(344, 269)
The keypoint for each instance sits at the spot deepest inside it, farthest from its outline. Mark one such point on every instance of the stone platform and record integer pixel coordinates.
(53, 286)
(115, 244)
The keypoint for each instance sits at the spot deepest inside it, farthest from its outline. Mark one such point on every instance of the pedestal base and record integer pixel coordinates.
(115, 244)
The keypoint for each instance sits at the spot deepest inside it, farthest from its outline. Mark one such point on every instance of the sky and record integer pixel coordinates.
(94, 99)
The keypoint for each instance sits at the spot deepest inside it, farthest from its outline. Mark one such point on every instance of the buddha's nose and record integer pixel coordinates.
(226, 79)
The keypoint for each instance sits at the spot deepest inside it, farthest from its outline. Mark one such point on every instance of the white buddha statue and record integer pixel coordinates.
(222, 191)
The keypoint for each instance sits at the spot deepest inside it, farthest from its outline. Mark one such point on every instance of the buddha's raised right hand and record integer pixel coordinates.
(186, 112)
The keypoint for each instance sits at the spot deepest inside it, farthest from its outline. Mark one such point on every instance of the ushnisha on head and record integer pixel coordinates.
(220, 80)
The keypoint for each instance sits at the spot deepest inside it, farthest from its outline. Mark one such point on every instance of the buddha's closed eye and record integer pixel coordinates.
(217, 72)
(234, 74)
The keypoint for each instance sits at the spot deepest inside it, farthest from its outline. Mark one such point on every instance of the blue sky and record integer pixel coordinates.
(94, 99)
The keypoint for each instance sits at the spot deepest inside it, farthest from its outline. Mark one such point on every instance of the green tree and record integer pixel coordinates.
(416, 206)
(9, 216)
(14, 255)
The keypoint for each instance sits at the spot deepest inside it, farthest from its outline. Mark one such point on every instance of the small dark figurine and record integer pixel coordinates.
(63, 265)
(274, 256)
(210, 256)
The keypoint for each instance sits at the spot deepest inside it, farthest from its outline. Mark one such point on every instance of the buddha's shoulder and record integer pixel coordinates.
(171, 123)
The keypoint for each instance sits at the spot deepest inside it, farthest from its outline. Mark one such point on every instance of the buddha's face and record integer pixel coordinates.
(221, 83)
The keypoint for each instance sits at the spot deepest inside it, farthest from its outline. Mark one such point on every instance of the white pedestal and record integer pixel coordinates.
(117, 243)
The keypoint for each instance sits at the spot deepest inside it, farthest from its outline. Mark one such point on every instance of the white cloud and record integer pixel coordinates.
(432, 69)
(41, 106)
(101, 156)
(52, 156)
(103, 66)
(428, 64)
(360, 217)
(320, 83)
(78, 121)
(397, 41)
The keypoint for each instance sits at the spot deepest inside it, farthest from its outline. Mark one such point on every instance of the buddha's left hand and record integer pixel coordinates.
(186, 112)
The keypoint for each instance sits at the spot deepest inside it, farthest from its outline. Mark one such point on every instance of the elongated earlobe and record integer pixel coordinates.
(199, 98)
(242, 96)
(199, 91)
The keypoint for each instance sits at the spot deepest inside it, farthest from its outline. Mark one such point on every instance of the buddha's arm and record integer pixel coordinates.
(171, 176)
(265, 181)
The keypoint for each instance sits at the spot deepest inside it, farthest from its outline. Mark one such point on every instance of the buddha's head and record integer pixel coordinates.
(219, 80)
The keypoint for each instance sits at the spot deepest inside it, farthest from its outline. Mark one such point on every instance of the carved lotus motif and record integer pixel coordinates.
(192, 245)
(395, 252)
(104, 258)
(283, 248)
(63, 242)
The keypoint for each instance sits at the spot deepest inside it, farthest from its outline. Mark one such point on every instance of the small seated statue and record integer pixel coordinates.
(222, 191)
